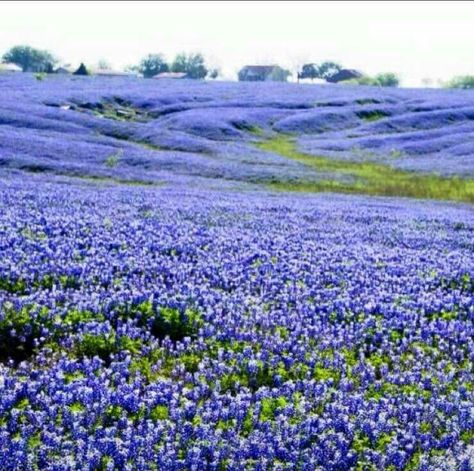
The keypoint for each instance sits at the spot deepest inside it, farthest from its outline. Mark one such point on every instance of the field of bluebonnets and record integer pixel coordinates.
(228, 276)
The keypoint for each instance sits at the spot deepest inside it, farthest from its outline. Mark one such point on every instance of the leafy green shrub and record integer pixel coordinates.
(19, 329)
(167, 321)
(388, 79)
(97, 345)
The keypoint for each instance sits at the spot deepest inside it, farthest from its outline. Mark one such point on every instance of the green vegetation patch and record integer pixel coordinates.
(372, 115)
(369, 178)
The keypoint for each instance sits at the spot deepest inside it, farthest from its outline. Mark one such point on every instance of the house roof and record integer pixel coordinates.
(112, 73)
(9, 67)
(171, 75)
(64, 68)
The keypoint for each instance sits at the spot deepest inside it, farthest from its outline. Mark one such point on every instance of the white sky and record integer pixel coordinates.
(415, 39)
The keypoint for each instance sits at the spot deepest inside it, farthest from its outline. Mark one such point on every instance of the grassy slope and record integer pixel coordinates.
(369, 178)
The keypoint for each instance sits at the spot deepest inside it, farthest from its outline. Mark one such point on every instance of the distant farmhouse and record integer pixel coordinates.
(8, 67)
(345, 74)
(171, 75)
(64, 70)
(112, 73)
(262, 73)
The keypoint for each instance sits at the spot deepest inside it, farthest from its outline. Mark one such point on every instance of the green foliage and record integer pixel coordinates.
(325, 374)
(30, 59)
(191, 64)
(467, 436)
(368, 177)
(151, 65)
(230, 381)
(360, 442)
(113, 159)
(70, 377)
(34, 441)
(465, 82)
(14, 286)
(77, 407)
(327, 69)
(75, 317)
(324, 70)
(20, 328)
(372, 115)
(413, 463)
(22, 404)
(364, 80)
(159, 413)
(133, 346)
(173, 323)
(270, 406)
(113, 413)
(97, 345)
(247, 425)
(388, 79)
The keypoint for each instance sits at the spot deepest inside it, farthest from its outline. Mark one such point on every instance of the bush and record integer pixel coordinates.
(20, 329)
(388, 79)
(465, 82)
(97, 345)
(365, 80)
(191, 64)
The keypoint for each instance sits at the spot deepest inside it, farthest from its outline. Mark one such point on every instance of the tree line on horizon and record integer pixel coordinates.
(31, 59)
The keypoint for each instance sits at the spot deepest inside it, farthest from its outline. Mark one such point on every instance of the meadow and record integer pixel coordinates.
(235, 276)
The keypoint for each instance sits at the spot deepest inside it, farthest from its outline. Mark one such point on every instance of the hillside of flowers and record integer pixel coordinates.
(163, 307)
(117, 127)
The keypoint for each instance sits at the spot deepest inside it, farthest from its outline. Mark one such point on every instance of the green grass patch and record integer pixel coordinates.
(372, 115)
(368, 178)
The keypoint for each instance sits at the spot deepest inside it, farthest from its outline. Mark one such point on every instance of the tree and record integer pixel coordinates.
(463, 81)
(214, 73)
(82, 70)
(30, 59)
(324, 70)
(104, 64)
(388, 79)
(151, 65)
(327, 69)
(191, 64)
(308, 71)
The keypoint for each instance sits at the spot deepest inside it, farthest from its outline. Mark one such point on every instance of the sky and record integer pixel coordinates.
(418, 40)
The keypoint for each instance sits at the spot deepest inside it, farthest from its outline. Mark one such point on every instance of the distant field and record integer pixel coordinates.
(392, 141)
(235, 276)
